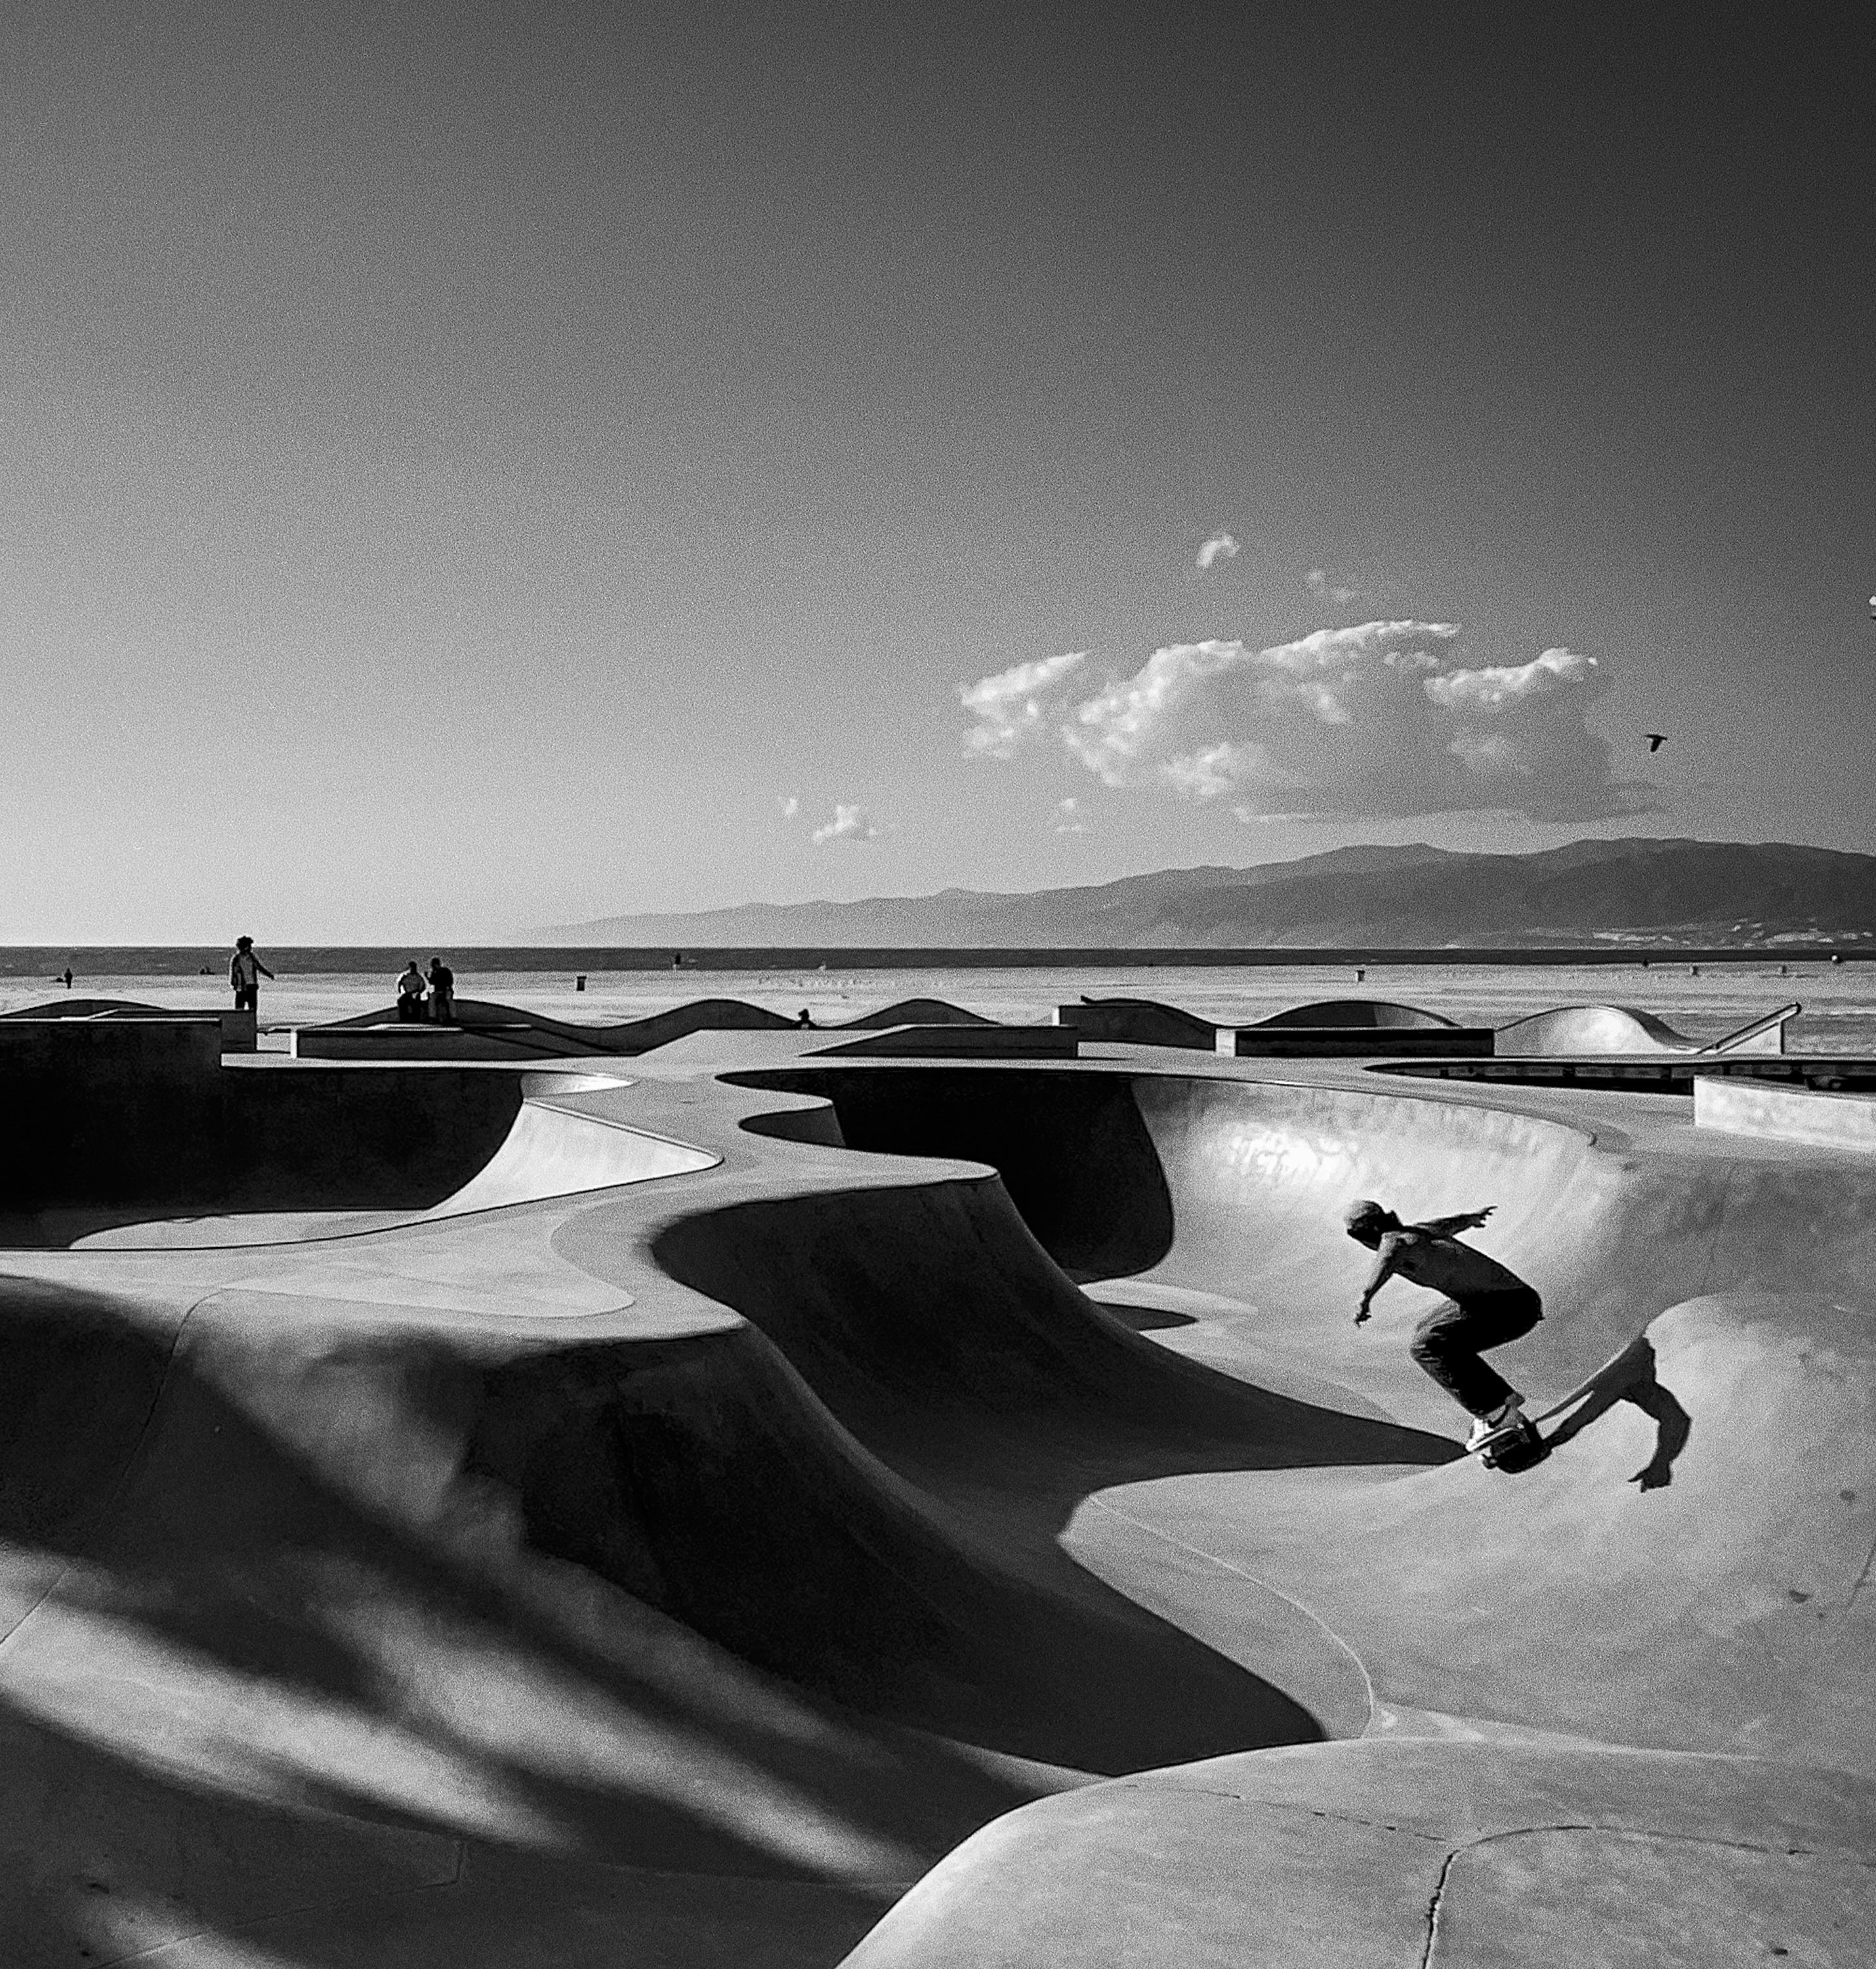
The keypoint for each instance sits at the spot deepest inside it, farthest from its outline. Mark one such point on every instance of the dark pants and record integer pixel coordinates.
(1448, 1342)
(409, 1008)
(247, 997)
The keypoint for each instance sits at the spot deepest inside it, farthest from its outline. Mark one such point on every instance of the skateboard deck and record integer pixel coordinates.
(1515, 1449)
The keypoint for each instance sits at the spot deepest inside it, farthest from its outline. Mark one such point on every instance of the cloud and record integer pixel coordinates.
(789, 804)
(1009, 707)
(1492, 689)
(1220, 547)
(1319, 586)
(850, 823)
(1382, 718)
(1067, 818)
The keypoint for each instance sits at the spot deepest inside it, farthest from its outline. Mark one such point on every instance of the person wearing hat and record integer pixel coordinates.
(245, 972)
(1486, 1305)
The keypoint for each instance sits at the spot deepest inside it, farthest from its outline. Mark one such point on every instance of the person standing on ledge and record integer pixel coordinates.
(1485, 1306)
(245, 972)
(442, 993)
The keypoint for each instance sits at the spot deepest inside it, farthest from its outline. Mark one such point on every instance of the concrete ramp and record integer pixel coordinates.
(557, 1149)
(1137, 1022)
(1593, 1030)
(1422, 1854)
(1366, 1012)
(913, 1012)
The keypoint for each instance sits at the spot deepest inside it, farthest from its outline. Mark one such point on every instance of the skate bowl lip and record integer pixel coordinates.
(527, 1167)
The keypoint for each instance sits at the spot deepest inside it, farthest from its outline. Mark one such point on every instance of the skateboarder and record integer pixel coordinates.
(1485, 1306)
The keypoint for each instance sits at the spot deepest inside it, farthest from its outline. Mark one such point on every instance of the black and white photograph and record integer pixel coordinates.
(938, 984)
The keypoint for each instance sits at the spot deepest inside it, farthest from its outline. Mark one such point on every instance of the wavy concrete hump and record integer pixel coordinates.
(1591, 1028)
(492, 1030)
(1363, 1012)
(87, 1008)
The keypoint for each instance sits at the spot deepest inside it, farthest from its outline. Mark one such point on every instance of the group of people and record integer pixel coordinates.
(438, 982)
(422, 996)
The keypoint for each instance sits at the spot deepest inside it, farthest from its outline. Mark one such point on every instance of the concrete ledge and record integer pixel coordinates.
(1355, 1042)
(1785, 1113)
(1137, 1022)
(965, 1042)
(417, 1041)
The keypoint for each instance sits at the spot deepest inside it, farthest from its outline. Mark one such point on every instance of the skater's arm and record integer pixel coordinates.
(262, 968)
(1471, 1220)
(1379, 1277)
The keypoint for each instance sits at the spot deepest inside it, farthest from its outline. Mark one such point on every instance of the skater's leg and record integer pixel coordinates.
(1448, 1342)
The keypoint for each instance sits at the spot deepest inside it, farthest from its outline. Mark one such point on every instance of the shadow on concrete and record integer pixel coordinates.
(643, 1591)
(1635, 1381)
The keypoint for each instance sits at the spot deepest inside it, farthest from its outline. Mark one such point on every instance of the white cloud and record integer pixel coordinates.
(1068, 817)
(850, 823)
(1320, 586)
(1492, 689)
(789, 804)
(1220, 547)
(1379, 718)
(1009, 706)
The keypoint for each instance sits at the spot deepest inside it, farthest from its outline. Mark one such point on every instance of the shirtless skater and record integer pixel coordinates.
(1485, 1306)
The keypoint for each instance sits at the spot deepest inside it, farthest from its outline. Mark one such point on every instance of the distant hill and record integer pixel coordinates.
(1699, 893)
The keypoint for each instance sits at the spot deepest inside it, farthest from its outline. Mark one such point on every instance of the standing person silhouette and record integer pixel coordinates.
(1487, 1306)
(245, 972)
(442, 993)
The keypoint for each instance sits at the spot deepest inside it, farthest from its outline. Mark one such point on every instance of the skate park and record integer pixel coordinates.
(915, 1494)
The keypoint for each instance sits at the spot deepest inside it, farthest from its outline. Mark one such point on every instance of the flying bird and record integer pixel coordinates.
(1656, 741)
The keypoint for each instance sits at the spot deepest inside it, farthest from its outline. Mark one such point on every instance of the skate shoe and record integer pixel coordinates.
(1507, 1416)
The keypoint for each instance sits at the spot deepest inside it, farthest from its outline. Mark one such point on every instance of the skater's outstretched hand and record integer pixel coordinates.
(1469, 1220)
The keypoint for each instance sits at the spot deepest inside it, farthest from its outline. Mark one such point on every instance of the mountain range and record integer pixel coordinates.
(1705, 894)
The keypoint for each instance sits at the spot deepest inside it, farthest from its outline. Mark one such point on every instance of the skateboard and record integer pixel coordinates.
(1517, 1447)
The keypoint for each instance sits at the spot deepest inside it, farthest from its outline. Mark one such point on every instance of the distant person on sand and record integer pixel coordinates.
(410, 993)
(245, 972)
(442, 993)
(1485, 1306)
(68, 977)
(803, 1021)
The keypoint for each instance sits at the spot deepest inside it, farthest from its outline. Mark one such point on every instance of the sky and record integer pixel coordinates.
(475, 468)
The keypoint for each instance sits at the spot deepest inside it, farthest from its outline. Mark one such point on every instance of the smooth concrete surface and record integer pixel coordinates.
(1785, 1113)
(1382, 1013)
(1595, 1030)
(756, 1482)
